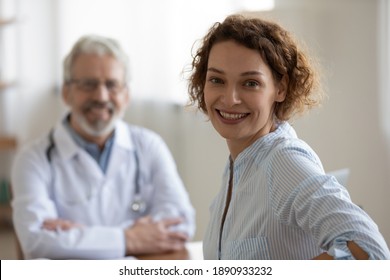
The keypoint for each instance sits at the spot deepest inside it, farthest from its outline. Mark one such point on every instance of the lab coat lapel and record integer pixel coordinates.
(123, 145)
(67, 149)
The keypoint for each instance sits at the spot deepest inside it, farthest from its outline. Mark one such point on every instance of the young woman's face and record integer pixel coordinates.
(240, 93)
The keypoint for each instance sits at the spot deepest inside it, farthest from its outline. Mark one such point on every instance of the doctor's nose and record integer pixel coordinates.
(101, 92)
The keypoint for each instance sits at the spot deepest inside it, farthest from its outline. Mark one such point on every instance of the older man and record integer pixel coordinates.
(96, 187)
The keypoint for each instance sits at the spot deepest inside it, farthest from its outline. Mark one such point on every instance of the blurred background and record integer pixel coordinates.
(350, 38)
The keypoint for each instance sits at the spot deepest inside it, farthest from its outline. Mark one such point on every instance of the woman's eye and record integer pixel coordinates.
(216, 81)
(252, 84)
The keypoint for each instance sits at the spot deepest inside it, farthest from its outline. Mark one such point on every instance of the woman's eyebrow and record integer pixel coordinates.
(247, 73)
(212, 69)
(250, 73)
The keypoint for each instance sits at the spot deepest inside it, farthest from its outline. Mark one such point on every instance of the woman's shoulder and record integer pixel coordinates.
(288, 147)
(287, 141)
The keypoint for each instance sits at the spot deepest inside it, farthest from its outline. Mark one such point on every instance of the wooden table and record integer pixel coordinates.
(193, 251)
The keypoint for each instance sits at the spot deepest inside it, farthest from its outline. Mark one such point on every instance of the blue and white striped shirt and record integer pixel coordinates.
(284, 206)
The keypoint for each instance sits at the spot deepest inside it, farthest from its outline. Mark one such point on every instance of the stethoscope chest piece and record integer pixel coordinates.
(138, 205)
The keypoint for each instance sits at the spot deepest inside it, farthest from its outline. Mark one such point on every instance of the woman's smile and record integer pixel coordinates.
(231, 117)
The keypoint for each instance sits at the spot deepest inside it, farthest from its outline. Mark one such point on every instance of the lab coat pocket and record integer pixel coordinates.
(256, 248)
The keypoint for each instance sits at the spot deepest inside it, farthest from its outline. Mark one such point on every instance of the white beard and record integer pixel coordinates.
(98, 129)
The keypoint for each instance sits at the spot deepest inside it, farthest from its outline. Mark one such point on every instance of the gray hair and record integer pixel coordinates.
(94, 44)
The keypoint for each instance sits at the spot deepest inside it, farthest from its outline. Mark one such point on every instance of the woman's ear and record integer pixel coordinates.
(282, 89)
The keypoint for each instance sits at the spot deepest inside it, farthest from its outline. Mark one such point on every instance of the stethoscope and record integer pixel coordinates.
(138, 205)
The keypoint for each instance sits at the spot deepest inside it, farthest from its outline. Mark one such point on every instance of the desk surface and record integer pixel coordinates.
(193, 251)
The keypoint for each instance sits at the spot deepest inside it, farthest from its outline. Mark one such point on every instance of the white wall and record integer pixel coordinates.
(348, 131)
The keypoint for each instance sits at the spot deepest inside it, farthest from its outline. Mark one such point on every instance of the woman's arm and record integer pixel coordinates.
(357, 252)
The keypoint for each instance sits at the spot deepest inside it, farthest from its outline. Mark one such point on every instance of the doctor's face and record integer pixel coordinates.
(97, 94)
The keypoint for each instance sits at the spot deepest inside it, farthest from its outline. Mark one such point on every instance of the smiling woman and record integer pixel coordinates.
(276, 202)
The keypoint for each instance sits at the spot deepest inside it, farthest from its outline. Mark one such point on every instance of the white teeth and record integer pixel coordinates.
(231, 116)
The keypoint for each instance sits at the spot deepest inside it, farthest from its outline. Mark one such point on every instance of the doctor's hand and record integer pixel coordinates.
(59, 224)
(147, 236)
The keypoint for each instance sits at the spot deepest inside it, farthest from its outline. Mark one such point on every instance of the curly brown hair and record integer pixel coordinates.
(278, 49)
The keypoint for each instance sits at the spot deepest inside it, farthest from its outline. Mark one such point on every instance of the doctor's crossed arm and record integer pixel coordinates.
(96, 187)
(149, 236)
(145, 236)
(59, 224)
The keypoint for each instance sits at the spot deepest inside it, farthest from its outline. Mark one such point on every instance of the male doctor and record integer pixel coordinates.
(96, 187)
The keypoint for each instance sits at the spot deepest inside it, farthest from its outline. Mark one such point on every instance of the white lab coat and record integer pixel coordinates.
(72, 186)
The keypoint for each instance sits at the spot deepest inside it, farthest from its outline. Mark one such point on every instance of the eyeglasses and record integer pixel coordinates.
(91, 85)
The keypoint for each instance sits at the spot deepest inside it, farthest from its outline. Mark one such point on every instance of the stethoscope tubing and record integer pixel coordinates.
(138, 205)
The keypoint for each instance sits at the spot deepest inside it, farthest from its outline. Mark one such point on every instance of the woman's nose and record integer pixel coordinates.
(231, 97)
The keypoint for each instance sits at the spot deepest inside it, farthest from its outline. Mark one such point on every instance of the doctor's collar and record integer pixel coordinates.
(85, 144)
